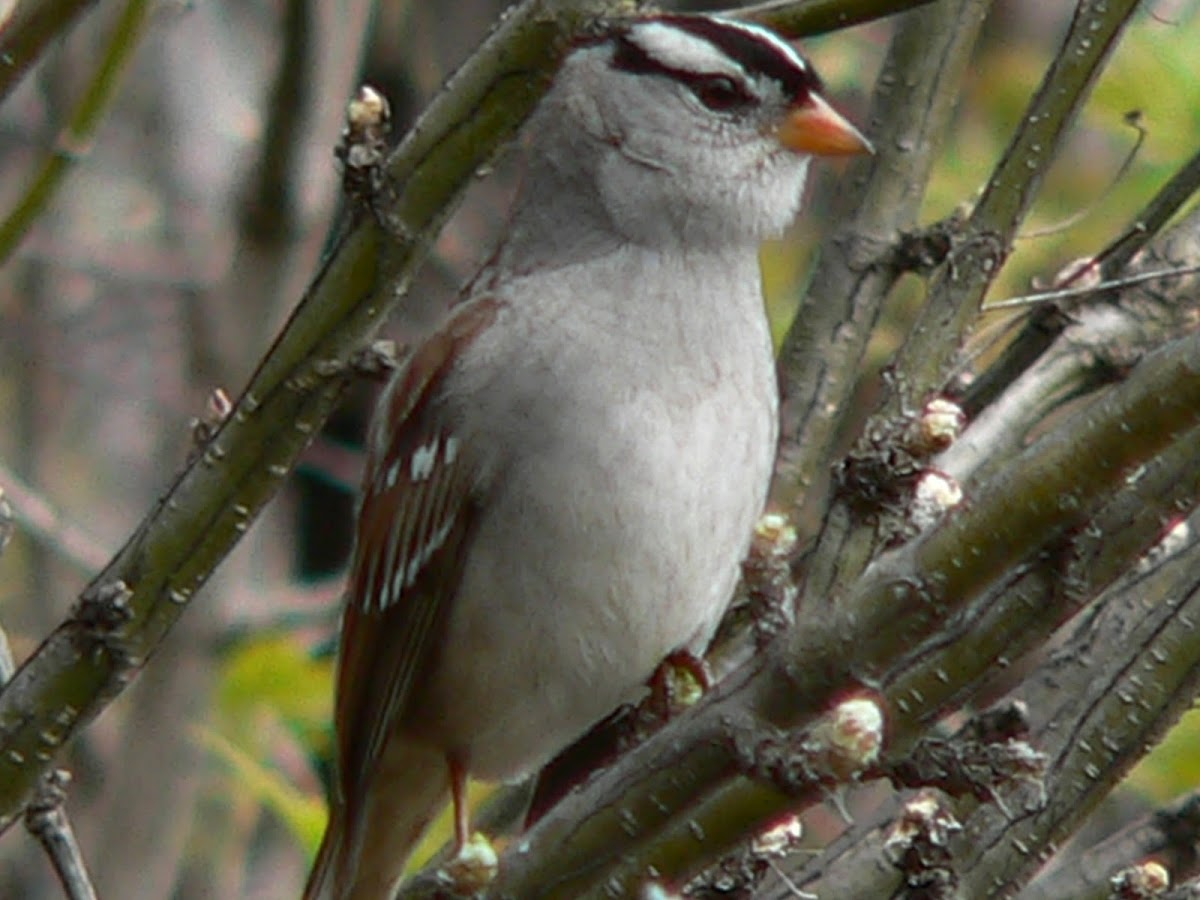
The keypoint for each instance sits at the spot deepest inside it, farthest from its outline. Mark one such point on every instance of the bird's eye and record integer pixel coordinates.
(720, 93)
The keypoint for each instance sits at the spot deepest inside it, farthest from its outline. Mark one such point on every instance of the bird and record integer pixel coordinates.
(563, 478)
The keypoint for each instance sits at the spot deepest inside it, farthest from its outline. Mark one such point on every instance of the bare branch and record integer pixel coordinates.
(50, 525)
(1171, 834)
(798, 18)
(1103, 339)
(957, 291)
(1046, 323)
(76, 672)
(73, 143)
(47, 821)
(30, 28)
(821, 355)
(1124, 676)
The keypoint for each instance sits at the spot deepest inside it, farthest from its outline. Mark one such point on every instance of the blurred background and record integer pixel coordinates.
(188, 226)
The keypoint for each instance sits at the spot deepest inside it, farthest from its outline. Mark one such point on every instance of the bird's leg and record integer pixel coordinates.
(473, 864)
(679, 682)
(462, 811)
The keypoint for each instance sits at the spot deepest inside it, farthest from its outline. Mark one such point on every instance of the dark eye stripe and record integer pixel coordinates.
(630, 57)
(721, 93)
(757, 55)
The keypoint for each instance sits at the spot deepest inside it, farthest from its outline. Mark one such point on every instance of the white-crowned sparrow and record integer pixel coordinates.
(563, 479)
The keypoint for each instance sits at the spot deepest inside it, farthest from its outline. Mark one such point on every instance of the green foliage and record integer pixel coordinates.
(1174, 766)
(275, 671)
(274, 706)
(300, 812)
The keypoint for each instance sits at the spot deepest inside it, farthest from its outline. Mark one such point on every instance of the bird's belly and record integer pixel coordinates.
(568, 603)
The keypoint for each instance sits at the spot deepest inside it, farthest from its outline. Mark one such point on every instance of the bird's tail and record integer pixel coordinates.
(364, 859)
(320, 878)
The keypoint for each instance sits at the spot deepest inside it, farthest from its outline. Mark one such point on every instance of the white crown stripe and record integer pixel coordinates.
(676, 48)
(768, 37)
(682, 51)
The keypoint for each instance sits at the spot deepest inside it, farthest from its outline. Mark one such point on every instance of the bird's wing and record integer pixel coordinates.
(418, 504)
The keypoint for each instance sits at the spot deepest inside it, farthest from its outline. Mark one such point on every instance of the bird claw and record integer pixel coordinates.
(472, 868)
(679, 682)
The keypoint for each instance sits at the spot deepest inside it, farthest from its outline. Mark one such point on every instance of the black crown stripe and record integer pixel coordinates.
(756, 55)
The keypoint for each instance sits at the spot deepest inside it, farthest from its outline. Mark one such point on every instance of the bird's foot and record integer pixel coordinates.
(472, 868)
(677, 684)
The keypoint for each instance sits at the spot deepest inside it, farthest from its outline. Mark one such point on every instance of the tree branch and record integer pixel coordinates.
(957, 291)
(678, 801)
(1171, 833)
(128, 608)
(822, 353)
(1124, 676)
(72, 145)
(30, 28)
(798, 18)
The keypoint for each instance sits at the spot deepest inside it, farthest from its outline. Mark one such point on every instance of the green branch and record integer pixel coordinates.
(31, 27)
(72, 145)
(128, 609)
(957, 291)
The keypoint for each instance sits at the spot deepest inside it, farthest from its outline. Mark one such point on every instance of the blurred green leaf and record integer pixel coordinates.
(303, 815)
(1173, 768)
(276, 671)
(274, 710)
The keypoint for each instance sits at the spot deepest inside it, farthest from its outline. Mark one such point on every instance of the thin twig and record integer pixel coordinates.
(46, 523)
(1040, 330)
(30, 28)
(811, 17)
(46, 819)
(1071, 293)
(1133, 119)
(956, 295)
(73, 144)
(821, 357)
(45, 816)
(1169, 199)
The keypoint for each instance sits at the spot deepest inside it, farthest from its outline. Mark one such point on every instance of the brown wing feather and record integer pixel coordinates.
(413, 525)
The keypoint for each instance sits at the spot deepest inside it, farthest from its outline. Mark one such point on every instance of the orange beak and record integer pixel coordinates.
(815, 127)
